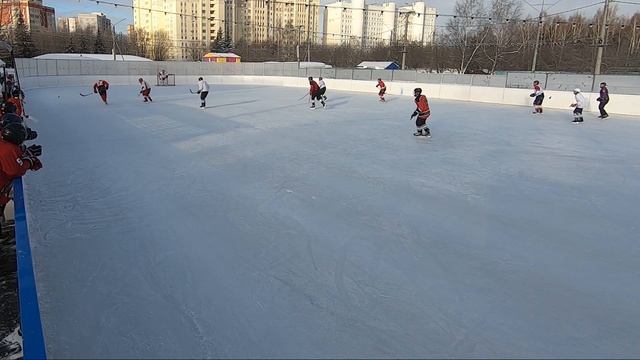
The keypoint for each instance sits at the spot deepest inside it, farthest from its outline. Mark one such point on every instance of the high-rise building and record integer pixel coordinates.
(93, 22)
(357, 23)
(189, 24)
(416, 22)
(36, 16)
(193, 24)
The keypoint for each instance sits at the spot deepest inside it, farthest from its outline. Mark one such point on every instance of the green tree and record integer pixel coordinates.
(98, 45)
(23, 44)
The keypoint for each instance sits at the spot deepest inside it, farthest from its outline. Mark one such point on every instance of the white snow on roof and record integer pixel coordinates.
(303, 64)
(64, 56)
(226, 55)
(378, 65)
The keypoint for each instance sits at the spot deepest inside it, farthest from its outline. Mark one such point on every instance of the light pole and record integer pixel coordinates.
(535, 50)
(113, 38)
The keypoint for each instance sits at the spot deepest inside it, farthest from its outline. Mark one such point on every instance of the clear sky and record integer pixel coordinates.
(72, 7)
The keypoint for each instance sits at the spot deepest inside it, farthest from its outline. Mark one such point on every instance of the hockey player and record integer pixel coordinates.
(314, 93)
(101, 88)
(603, 100)
(538, 94)
(323, 88)
(145, 90)
(14, 160)
(383, 89)
(422, 112)
(17, 102)
(203, 90)
(578, 106)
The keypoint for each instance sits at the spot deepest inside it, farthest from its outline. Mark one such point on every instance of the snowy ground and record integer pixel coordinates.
(259, 228)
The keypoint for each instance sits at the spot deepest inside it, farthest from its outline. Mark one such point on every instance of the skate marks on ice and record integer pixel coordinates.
(231, 104)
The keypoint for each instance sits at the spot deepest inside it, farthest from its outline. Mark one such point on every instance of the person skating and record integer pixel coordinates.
(203, 90)
(383, 89)
(323, 88)
(538, 94)
(145, 89)
(422, 112)
(603, 100)
(578, 106)
(101, 88)
(314, 93)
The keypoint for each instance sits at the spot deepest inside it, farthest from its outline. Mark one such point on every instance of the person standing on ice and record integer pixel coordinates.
(422, 112)
(603, 100)
(203, 90)
(314, 93)
(578, 106)
(323, 88)
(145, 90)
(101, 88)
(383, 89)
(538, 94)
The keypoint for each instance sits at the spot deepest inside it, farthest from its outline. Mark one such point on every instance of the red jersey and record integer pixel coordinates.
(101, 84)
(313, 87)
(422, 105)
(11, 166)
(381, 84)
(18, 103)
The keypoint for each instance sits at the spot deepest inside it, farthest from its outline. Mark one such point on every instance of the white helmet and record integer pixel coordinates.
(576, 90)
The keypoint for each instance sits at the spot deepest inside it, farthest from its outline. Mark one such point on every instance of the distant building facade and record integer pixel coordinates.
(93, 22)
(36, 16)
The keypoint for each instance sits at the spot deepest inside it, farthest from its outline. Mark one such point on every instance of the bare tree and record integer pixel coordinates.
(160, 46)
(503, 33)
(466, 31)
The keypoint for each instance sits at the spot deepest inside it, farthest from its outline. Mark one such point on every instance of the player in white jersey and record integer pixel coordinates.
(145, 90)
(578, 106)
(203, 90)
(323, 88)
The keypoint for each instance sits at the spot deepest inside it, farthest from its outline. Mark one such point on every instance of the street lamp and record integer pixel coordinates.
(113, 38)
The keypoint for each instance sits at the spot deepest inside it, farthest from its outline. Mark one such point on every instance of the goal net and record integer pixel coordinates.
(166, 80)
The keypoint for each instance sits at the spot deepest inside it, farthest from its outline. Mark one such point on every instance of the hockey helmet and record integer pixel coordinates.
(200, 78)
(10, 118)
(16, 92)
(417, 90)
(576, 90)
(8, 107)
(14, 133)
(140, 80)
(310, 78)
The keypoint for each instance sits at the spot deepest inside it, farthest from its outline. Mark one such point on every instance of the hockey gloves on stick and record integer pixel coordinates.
(533, 95)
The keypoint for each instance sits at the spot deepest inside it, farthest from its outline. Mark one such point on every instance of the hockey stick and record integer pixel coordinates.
(305, 95)
(191, 91)
(81, 94)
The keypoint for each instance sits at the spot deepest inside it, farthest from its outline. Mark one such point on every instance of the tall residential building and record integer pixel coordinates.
(189, 24)
(94, 22)
(268, 20)
(36, 16)
(196, 23)
(357, 23)
(418, 22)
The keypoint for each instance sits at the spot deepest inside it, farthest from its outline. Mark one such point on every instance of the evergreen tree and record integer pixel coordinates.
(217, 42)
(226, 45)
(23, 44)
(70, 48)
(83, 44)
(98, 45)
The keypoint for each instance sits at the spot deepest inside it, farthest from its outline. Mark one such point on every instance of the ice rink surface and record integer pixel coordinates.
(259, 228)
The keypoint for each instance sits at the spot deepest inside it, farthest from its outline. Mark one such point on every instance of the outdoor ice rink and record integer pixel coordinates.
(260, 228)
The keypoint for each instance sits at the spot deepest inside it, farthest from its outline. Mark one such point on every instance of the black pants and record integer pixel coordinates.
(203, 95)
(322, 91)
(601, 108)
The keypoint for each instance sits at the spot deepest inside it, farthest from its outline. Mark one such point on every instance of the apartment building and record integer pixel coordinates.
(36, 16)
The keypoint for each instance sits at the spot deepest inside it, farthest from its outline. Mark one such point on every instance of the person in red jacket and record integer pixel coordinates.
(422, 112)
(314, 92)
(17, 102)
(14, 161)
(383, 89)
(101, 88)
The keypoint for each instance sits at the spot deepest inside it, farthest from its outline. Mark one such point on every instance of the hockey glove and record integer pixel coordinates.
(35, 163)
(533, 95)
(415, 113)
(33, 151)
(31, 134)
(599, 99)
